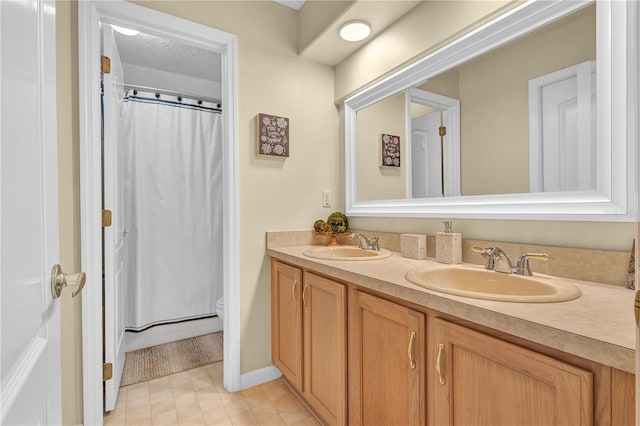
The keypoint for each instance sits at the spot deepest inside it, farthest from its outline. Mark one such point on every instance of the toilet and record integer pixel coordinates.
(220, 308)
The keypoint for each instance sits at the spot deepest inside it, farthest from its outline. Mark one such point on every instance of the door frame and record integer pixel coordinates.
(450, 108)
(90, 14)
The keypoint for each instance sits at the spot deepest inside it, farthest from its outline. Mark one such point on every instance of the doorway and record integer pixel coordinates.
(433, 127)
(90, 16)
(162, 183)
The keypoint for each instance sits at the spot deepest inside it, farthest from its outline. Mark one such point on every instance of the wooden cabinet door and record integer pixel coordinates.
(325, 347)
(286, 321)
(477, 379)
(386, 362)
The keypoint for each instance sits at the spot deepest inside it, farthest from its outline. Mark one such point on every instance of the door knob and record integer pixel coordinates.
(60, 280)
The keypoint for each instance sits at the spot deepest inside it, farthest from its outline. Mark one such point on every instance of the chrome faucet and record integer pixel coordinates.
(365, 243)
(495, 254)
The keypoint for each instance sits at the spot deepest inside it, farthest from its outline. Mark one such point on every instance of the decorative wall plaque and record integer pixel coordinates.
(272, 135)
(389, 150)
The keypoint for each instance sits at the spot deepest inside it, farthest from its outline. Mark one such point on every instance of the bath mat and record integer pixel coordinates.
(173, 357)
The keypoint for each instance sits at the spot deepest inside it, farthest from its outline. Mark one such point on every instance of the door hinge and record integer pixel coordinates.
(107, 371)
(106, 218)
(442, 131)
(105, 63)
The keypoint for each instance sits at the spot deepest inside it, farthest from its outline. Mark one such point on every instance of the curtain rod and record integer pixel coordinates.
(173, 93)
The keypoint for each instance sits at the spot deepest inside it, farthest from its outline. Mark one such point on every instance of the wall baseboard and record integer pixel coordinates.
(259, 376)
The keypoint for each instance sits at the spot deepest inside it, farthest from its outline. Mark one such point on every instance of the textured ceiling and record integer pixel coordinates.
(168, 55)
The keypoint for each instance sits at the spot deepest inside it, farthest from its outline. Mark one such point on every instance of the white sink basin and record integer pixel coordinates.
(346, 253)
(478, 283)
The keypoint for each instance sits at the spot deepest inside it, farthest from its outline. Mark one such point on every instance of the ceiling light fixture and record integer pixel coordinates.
(125, 31)
(355, 30)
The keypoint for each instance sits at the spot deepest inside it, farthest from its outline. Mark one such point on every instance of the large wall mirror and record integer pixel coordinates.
(526, 117)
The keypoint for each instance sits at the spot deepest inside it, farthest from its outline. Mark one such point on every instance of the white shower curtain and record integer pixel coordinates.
(173, 196)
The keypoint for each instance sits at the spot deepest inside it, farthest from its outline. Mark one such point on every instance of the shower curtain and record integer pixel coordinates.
(172, 181)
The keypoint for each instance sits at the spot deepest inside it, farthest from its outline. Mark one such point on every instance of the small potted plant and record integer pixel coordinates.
(336, 223)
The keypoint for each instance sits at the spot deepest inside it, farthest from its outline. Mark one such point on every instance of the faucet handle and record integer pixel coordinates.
(523, 268)
(489, 253)
(485, 251)
(537, 256)
(375, 242)
(355, 235)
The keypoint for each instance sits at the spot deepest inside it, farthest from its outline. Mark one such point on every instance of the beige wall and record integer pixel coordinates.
(587, 235)
(426, 28)
(445, 84)
(494, 102)
(273, 193)
(315, 17)
(69, 201)
(388, 117)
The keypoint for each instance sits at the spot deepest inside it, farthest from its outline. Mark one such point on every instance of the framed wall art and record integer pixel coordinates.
(389, 150)
(272, 135)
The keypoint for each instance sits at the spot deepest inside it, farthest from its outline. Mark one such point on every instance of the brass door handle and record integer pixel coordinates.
(438, 365)
(60, 280)
(412, 363)
(293, 289)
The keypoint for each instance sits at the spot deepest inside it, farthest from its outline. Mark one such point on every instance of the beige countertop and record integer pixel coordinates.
(598, 326)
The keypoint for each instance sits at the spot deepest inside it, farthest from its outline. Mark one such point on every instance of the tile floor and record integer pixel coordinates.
(197, 397)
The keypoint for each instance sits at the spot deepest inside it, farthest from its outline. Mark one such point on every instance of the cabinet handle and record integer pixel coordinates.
(293, 289)
(304, 290)
(438, 360)
(412, 363)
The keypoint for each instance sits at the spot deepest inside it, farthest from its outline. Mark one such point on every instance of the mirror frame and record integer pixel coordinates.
(615, 197)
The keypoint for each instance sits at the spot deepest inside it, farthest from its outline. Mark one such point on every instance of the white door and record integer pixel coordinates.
(114, 235)
(30, 385)
(419, 175)
(562, 109)
(436, 167)
(426, 156)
